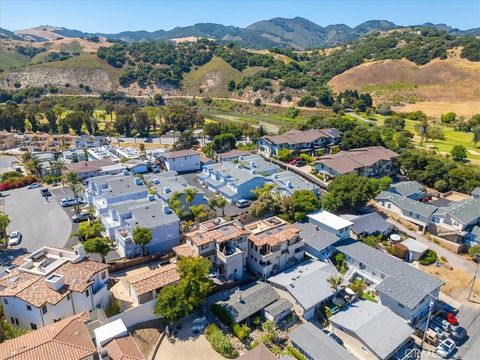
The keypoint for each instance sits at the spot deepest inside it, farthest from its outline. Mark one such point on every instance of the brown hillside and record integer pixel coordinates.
(437, 87)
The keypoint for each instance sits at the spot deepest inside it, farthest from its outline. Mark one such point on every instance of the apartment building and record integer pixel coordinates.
(7, 140)
(298, 141)
(180, 161)
(374, 161)
(273, 246)
(52, 284)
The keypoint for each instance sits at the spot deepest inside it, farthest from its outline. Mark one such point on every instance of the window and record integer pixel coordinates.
(33, 326)
(29, 308)
(5, 301)
(16, 321)
(12, 320)
(169, 237)
(68, 297)
(44, 309)
(362, 266)
(389, 205)
(204, 246)
(104, 275)
(87, 293)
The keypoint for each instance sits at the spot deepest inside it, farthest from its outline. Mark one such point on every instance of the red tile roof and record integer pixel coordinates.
(124, 348)
(154, 279)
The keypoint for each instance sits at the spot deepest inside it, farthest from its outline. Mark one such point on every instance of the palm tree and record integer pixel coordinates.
(4, 222)
(199, 212)
(335, 282)
(190, 194)
(218, 202)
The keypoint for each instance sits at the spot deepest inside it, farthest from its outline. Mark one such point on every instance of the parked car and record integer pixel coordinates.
(148, 140)
(10, 268)
(243, 203)
(300, 163)
(440, 333)
(443, 324)
(431, 337)
(333, 336)
(294, 160)
(15, 238)
(445, 348)
(34, 185)
(452, 319)
(70, 202)
(45, 192)
(459, 334)
(83, 216)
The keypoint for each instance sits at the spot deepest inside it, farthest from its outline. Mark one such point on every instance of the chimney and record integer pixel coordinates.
(79, 249)
(151, 197)
(137, 181)
(166, 190)
(156, 181)
(252, 171)
(252, 164)
(166, 209)
(289, 184)
(55, 281)
(125, 172)
(316, 227)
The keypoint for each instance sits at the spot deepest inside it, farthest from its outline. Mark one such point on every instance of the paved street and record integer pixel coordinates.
(40, 222)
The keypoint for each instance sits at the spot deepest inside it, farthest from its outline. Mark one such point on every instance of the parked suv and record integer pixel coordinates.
(83, 216)
(70, 201)
(242, 203)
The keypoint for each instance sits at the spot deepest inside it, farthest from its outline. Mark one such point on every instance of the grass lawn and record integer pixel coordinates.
(367, 296)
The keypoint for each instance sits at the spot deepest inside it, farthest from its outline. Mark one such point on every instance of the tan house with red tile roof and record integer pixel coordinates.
(52, 284)
(66, 339)
(145, 286)
(124, 348)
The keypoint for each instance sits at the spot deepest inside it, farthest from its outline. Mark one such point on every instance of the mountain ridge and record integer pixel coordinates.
(298, 33)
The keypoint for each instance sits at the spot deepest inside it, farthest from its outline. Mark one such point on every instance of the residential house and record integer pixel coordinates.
(249, 301)
(223, 243)
(127, 153)
(308, 142)
(103, 152)
(168, 183)
(231, 181)
(62, 141)
(204, 160)
(370, 224)
(273, 246)
(476, 193)
(330, 222)
(152, 214)
(288, 182)
(232, 155)
(88, 169)
(65, 339)
(136, 166)
(105, 191)
(278, 310)
(409, 189)
(89, 141)
(298, 282)
(416, 249)
(374, 161)
(7, 140)
(144, 287)
(473, 237)
(414, 211)
(123, 348)
(258, 164)
(73, 156)
(313, 344)
(260, 352)
(371, 329)
(318, 242)
(182, 161)
(52, 284)
(402, 288)
(458, 216)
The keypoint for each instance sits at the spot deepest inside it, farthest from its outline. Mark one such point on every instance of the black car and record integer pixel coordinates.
(148, 140)
(459, 334)
(300, 163)
(83, 216)
(45, 192)
(333, 336)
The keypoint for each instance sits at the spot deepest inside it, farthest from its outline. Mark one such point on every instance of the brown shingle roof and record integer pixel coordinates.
(233, 153)
(124, 348)
(261, 352)
(87, 166)
(180, 153)
(345, 162)
(79, 276)
(293, 137)
(219, 235)
(65, 339)
(155, 279)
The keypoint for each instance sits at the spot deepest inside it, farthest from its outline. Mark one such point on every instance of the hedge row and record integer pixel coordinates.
(17, 182)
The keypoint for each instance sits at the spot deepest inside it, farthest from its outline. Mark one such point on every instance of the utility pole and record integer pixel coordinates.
(430, 308)
(476, 258)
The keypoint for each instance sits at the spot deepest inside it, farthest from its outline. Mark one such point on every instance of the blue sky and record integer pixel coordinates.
(111, 16)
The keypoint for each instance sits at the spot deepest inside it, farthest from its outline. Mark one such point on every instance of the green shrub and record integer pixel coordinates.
(475, 249)
(220, 342)
(113, 307)
(222, 314)
(241, 331)
(256, 320)
(11, 174)
(428, 258)
(295, 353)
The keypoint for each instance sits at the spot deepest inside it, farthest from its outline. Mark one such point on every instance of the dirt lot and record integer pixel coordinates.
(457, 281)
(146, 335)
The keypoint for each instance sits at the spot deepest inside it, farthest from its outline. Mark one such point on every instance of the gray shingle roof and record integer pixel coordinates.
(123, 185)
(375, 325)
(466, 211)
(403, 283)
(299, 279)
(244, 303)
(289, 182)
(407, 188)
(318, 345)
(370, 223)
(407, 204)
(151, 215)
(278, 307)
(317, 239)
(180, 153)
